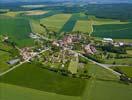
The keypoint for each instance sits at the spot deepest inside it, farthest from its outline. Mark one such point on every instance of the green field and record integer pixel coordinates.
(55, 22)
(125, 61)
(36, 28)
(115, 31)
(126, 69)
(17, 29)
(84, 26)
(5, 56)
(107, 90)
(13, 92)
(35, 77)
(34, 82)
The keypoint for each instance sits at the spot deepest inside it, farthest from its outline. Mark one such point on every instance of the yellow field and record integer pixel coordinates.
(35, 12)
(84, 26)
(12, 14)
(55, 22)
(36, 28)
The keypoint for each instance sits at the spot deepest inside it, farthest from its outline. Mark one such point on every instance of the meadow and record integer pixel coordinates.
(125, 69)
(10, 92)
(55, 22)
(36, 28)
(17, 29)
(35, 77)
(115, 31)
(32, 81)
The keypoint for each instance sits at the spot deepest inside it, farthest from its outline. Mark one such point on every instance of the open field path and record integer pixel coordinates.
(99, 64)
(1, 74)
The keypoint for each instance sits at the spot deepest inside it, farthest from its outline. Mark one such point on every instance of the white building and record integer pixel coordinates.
(108, 40)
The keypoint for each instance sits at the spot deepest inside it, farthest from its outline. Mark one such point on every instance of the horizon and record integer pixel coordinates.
(74, 1)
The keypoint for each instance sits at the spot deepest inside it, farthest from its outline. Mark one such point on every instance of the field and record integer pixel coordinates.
(84, 26)
(55, 22)
(115, 31)
(36, 28)
(126, 69)
(125, 61)
(12, 14)
(107, 90)
(35, 77)
(35, 12)
(17, 29)
(33, 6)
(4, 58)
(34, 82)
(10, 92)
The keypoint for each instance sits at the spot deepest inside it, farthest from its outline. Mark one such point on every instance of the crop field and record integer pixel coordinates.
(126, 61)
(10, 92)
(35, 12)
(12, 14)
(101, 21)
(34, 82)
(84, 26)
(126, 69)
(115, 31)
(17, 29)
(36, 28)
(4, 58)
(55, 22)
(107, 90)
(35, 77)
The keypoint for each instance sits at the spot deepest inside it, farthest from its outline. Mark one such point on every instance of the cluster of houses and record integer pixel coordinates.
(70, 39)
(89, 49)
(26, 53)
(67, 40)
(116, 44)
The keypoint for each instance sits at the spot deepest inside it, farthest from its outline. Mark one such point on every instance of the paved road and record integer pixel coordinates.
(1, 74)
(101, 65)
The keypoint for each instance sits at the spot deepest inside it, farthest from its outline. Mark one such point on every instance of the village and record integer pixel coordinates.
(68, 53)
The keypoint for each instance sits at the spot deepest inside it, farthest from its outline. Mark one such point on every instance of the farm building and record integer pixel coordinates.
(14, 61)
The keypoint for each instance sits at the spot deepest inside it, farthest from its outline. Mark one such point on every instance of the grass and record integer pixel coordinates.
(12, 13)
(83, 26)
(125, 61)
(107, 90)
(129, 52)
(17, 29)
(126, 69)
(100, 73)
(4, 58)
(10, 92)
(115, 31)
(36, 28)
(101, 21)
(35, 12)
(55, 22)
(35, 77)
(73, 66)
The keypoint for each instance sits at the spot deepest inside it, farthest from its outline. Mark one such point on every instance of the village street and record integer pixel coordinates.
(25, 61)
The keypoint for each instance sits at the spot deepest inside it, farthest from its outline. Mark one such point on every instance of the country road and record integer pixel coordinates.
(101, 65)
(1, 74)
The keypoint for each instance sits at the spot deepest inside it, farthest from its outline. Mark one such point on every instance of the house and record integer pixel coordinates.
(89, 49)
(13, 62)
(33, 36)
(108, 40)
(55, 43)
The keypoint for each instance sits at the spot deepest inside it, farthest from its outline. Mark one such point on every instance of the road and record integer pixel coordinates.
(101, 65)
(1, 74)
